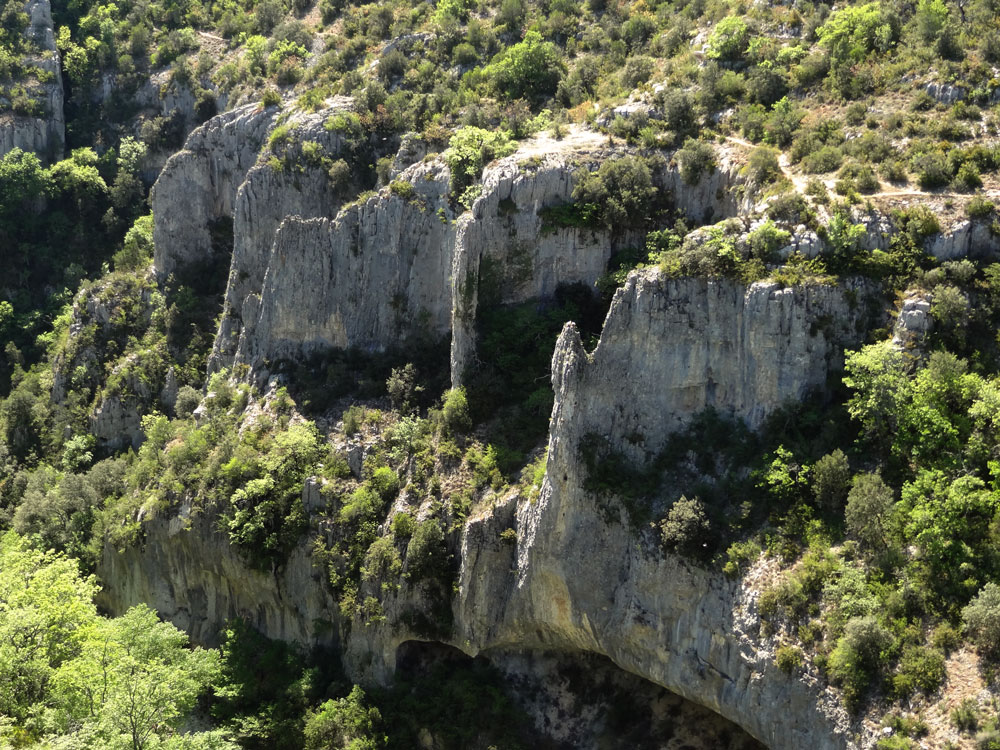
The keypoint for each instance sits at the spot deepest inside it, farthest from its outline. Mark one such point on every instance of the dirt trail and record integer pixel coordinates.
(576, 138)
(800, 181)
(964, 681)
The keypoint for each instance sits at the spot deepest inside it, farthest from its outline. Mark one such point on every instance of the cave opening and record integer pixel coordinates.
(552, 700)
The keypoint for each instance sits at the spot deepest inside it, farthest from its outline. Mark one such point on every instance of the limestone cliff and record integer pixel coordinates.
(669, 349)
(264, 198)
(369, 278)
(42, 131)
(575, 580)
(505, 245)
(198, 184)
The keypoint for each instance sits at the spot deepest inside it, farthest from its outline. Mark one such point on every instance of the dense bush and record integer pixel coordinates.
(982, 620)
(621, 189)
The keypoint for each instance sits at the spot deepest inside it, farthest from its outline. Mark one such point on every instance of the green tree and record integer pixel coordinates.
(696, 158)
(470, 149)
(858, 655)
(530, 69)
(877, 375)
(46, 612)
(869, 509)
(133, 682)
(930, 18)
(344, 723)
(831, 477)
(622, 189)
(729, 39)
(686, 527)
(854, 32)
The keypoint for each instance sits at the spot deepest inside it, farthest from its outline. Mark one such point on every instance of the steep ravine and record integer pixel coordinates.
(575, 581)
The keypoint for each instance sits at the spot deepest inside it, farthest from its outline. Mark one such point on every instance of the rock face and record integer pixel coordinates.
(264, 199)
(188, 573)
(681, 346)
(308, 274)
(44, 133)
(668, 350)
(371, 277)
(574, 581)
(198, 184)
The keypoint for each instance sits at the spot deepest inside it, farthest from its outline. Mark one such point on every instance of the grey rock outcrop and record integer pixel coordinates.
(198, 184)
(187, 571)
(721, 193)
(371, 277)
(745, 351)
(507, 253)
(265, 200)
(913, 323)
(45, 133)
(967, 239)
(670, 348)
(335, 294)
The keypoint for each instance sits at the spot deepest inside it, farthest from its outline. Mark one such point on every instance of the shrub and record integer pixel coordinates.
(783, 122)
(696, 158)
(470, 149)
(860, 176)
(919, 222)
(950, 307)
(729, 39)
(455, 410)
(826, 159)
(187, 401)
(965, 716)
(766, 240)
(869, 504)
(790, 208)
(685, 526)
(762, 167)
(945, 638)
(895, 742)
(352, 419)
(789, 658)
(979, 208)
(831, 480)
(402, 189)
(346, 722)
(920, 668)
(622, 189)
(385, 482)
(982, 620)
(932, 170)
(893, 170)
(426, 553)
(137, 249)
(967, 177)
(857, 656)
(526, 70)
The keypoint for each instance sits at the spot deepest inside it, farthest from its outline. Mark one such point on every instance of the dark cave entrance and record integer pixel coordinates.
(556, 701)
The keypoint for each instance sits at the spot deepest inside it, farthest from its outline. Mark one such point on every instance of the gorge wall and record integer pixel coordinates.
(309, 273)
(304, 266)
(575, 581)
